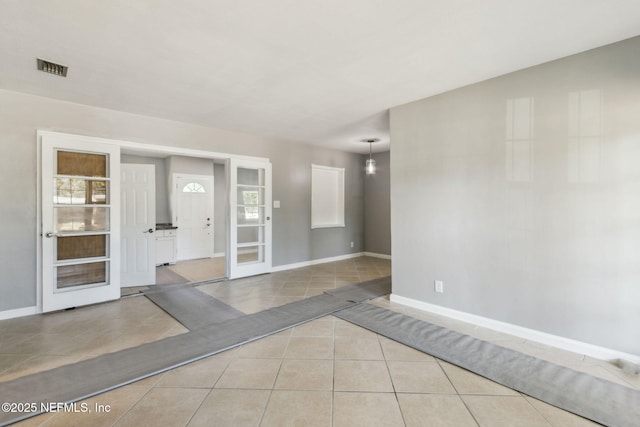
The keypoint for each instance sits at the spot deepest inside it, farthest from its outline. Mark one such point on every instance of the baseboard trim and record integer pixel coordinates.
(19, 312)
(568, 344)
(219, 255)
(315, 262)
(375, 255)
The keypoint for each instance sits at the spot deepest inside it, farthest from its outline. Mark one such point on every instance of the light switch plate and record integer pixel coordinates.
(276, 204)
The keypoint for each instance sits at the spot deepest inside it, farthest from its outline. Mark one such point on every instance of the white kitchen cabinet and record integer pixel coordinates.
(166, 246)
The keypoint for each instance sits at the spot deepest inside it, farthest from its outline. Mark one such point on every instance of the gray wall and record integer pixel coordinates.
(522, 194)
(377, 206)
(162, 194)
(189, 165)
(21, 115)
(292, 187)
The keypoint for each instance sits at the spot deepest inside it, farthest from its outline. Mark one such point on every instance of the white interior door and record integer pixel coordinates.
(194, 216)
(138, 223)
(80, 221)
(250, 218)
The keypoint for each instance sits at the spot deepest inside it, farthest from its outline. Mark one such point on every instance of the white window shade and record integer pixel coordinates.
(327, 197)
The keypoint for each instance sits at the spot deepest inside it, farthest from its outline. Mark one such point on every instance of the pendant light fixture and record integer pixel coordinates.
(370, 165)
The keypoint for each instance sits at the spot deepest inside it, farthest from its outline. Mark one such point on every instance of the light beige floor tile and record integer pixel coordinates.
(316, 328)
(52, 338)
(361, 375)
(203, 373)
(227, 407)
(250, 373)
(36, 421)
(507, 411)
(310, 348)
(466, 382)
(305, 375)
(149, 381)
(438, 410)
(346, 329)
(164, 406)
(103, 410)
(269, 347)
(357, 348)
(395, 351)
(298, 408)
(293, 291)
(322, 283)
(557, 417)
(366, 409)
(228, 354)
(419, 377)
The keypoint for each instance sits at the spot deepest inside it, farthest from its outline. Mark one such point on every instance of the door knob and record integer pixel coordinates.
(49, 234)
(149, 231)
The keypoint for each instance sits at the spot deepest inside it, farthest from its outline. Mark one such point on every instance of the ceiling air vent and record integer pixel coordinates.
(50, 67)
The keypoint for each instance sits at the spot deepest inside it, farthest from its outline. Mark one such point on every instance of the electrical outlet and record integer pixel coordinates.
(351, 244)
(438, 286)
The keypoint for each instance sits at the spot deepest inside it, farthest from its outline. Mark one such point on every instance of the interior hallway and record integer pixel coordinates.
(326, 372)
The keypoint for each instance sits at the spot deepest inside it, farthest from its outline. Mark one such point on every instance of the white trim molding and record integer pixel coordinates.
(375, 255)
(19, 312)
(315, 261)
(574, 346)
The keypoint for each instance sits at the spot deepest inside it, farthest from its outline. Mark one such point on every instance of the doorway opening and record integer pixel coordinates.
(189, 218)
(240, 220)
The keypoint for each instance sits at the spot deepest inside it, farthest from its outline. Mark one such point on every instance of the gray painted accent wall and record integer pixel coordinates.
(377, 206)
(21, 115)
(522, 194)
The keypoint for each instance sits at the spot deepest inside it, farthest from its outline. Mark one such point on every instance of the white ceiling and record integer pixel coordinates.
(318, 71)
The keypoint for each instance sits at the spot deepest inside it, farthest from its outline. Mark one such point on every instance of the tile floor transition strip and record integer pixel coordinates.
(78, 381)
(191, 307)
(594, 398)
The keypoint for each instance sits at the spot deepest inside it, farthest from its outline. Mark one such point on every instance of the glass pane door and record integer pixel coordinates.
(250, 214)
(78, 214)
(81, 219)
(250, 218)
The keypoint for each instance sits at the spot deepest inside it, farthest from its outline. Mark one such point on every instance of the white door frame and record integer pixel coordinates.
(129, 147)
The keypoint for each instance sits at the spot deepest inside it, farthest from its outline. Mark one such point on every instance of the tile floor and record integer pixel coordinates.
(327, 372)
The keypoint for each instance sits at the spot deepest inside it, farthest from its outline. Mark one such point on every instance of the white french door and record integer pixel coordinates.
(80, 221)
(138, 224)
(250, 218)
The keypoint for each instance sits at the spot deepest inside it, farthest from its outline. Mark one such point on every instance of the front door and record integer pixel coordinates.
(80, 221)
(138, 224)
(194, 216)
(250, 218)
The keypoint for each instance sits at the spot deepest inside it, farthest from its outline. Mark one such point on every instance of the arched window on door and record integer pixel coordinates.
(193, 187)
